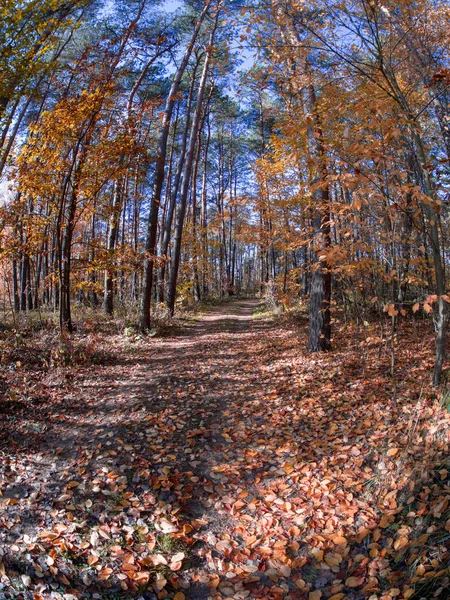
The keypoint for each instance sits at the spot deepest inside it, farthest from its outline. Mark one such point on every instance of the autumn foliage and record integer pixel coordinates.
(288, 164)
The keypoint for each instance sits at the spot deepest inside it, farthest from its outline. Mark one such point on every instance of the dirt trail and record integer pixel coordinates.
(175, 428)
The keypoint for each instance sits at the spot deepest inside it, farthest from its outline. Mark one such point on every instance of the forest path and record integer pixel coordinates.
(222, 461)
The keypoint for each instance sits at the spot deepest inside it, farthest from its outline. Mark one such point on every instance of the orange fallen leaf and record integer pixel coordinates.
(392, 451)
(339, 540)
(105, 574)
(401, 542)
(353, 582)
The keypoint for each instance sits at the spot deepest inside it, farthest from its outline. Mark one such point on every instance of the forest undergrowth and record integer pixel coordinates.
(220, 460)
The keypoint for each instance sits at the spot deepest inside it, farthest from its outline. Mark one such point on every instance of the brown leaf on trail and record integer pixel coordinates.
(401, 542)
(141, 577)
(166, 526)
(316, 595)
(105, 574)
(161, 582)
(175, 565)
(392, 451)
(385, 521)
(333, 559)
(353, 582)
(339, 540)
(178, 557)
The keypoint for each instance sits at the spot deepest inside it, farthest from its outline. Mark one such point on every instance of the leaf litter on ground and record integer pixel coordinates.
(225, 462)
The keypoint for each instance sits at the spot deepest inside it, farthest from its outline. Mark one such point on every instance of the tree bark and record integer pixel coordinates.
(187, 174)
(158, 180)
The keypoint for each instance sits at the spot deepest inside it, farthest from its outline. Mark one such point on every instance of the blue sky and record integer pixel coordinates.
(172, 5)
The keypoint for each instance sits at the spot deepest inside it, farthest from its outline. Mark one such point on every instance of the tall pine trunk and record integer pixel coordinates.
(158, 180)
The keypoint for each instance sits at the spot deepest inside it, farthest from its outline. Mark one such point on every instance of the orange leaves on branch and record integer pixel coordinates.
(391, 310)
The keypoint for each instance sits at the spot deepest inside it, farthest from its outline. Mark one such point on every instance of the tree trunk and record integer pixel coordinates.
(108, 298)
(150, 244)
(187, 175)
(320, 292)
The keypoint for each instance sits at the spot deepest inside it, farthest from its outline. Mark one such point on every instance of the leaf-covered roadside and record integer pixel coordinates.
(224, 462)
